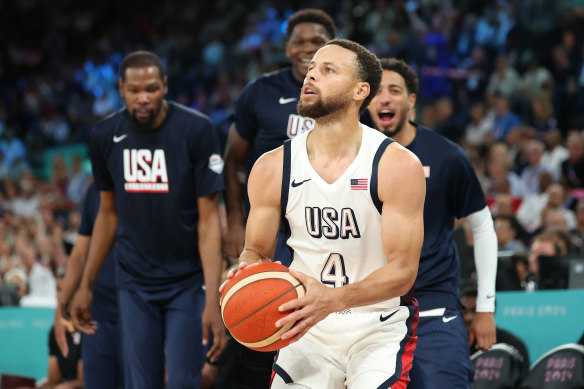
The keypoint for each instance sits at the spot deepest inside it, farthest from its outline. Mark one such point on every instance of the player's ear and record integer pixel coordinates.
(121, 87)
(362, 91)
(288, 53)
(165, 85)
(412, 100)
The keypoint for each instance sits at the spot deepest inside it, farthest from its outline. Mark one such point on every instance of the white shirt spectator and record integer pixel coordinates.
(42, 288)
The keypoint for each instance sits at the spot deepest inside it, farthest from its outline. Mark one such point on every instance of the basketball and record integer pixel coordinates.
(250, 301)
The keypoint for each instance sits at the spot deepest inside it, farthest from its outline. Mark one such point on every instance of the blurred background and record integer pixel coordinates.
(503, 78)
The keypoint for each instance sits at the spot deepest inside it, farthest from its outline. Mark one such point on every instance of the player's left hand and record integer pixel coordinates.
(212, 323)
(483, 331)
(80, 311)
(318, 302)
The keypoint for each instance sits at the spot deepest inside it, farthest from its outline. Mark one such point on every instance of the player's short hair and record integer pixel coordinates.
(312, 15)
(368, 67)
(141, 59)
(403, 69)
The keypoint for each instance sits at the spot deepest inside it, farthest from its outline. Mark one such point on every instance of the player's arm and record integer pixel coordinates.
(264, 191)
(74, 271)
(483, 329)
(402, 190)
(102, 241)
(236, 150)
(70, 283)
(210, 250)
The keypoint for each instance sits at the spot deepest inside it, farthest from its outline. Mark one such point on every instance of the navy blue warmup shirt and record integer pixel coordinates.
(104, 305)
(452, 191)
(266, 114)
(156, 177)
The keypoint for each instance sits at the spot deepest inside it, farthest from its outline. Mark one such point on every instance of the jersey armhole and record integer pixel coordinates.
(286, 175)
(374, 184)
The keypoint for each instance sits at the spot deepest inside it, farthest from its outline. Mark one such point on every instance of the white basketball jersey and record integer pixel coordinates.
(335, 229)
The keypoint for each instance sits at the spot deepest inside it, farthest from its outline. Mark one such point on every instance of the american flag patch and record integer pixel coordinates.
(359, 183)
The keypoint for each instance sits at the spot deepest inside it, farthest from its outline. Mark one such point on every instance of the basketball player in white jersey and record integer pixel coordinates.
(353, 201)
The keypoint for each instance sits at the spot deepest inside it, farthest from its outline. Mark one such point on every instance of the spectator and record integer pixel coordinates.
(542, 245)
(504, 120)
(555, 154)
(504, 80)
(507, 229)
(78, 182)
(530, 175)
(543, 114)
(26, 203)
(555, 202)
(480, 125)
(529, 212)
(536, 80)
(42, 284)
(573, 167)
(502, 180)
(504, 205)
(16, 276)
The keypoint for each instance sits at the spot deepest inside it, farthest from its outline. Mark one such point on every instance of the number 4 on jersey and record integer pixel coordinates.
(333, 273)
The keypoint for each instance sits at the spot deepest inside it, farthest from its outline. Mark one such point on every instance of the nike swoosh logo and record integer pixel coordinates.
(295, 184)
(384, 318)
(447, 319)
(119, 138)
(491, 296)
(286, 101)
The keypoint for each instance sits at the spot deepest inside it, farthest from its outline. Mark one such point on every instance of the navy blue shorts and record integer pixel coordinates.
(102, 357)
(442, 359)
(151, 320)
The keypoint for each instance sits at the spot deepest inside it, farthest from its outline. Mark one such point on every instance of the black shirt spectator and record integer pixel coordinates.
(61, 368)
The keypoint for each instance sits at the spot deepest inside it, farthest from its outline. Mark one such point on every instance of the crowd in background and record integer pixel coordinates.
(505, 79)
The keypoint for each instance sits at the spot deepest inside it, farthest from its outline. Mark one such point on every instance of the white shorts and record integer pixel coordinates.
(356, 350)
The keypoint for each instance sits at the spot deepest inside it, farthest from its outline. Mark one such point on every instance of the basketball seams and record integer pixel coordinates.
(263, 306)
(272, 274)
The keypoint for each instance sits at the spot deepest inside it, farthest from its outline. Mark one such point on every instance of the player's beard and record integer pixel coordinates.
(145, 126)
(323, 107)
(398, 128)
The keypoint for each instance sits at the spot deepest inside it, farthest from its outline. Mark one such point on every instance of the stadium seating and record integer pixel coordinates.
(501, 367)
(559, 368)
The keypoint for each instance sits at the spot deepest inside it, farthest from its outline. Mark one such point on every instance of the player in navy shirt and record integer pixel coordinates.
(266, 114)
(102, 358)
(441, 359)
(265, 117)
(158, 169)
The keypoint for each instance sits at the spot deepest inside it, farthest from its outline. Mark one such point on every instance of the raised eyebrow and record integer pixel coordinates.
(323, 64)
(330, 64)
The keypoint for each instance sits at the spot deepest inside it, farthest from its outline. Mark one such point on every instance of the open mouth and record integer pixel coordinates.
(386, 117)
(309, 90)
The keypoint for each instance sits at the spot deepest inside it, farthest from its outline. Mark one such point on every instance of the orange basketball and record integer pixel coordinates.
(250, 301)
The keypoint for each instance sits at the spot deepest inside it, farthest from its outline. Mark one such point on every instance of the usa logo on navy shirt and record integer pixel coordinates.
(145, 171)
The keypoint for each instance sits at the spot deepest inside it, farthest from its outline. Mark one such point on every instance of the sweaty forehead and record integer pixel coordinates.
(335, 55)
(143, 72)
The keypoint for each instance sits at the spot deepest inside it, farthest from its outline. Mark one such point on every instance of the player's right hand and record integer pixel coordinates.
(80, 311)
(234, 240)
